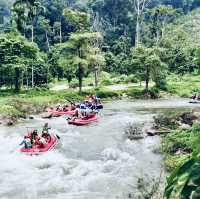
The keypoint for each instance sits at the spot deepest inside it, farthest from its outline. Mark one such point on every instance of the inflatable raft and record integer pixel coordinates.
(84, 121)
(194, 101)
(60, 113)
(36, 149)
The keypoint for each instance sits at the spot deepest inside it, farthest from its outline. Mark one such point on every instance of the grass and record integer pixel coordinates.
(179, 145)
(184, 86)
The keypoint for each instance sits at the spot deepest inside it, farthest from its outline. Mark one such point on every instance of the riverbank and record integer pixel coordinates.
(180, 135)
(15, 106)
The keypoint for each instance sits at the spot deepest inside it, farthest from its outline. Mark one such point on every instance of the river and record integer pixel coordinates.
(91, 162)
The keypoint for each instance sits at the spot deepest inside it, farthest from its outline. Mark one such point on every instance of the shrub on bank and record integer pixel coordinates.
(179, 145)
(106, 82)
(131, 79)
(138, 93)
(103, 93)
(11, 111)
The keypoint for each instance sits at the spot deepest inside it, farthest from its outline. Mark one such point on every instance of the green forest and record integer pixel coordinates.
(143, 41)
(146, 49)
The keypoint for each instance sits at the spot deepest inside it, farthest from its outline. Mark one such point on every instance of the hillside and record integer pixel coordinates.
(190, 24)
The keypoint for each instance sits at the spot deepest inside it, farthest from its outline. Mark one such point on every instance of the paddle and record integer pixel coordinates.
(58, 137)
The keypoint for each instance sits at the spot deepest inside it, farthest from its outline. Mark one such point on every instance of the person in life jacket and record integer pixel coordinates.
(46, 127)
(43, 142)
(33, 136)
(26, 142)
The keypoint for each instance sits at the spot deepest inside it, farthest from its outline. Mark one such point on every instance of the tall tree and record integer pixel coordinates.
(147, 63)
(16, 53)
(139, 6)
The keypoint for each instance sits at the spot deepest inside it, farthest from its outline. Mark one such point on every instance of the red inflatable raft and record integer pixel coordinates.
(60, 113)
(36, 149)
(84, 121)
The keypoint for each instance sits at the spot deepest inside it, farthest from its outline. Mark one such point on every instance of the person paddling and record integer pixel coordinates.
(26, 142)
(45, 132)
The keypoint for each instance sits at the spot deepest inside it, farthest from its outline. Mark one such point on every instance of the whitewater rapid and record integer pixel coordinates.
(91, 162)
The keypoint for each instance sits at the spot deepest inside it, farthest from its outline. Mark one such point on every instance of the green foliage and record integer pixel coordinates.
(178, 145)
(11, 111)
(17, 57)
(131, 79)
(184, 182)
(148, 65)
(183, 86)
(77, 54)
(79, 19)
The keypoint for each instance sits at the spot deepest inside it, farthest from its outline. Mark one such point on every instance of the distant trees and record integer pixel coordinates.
(113, 35)
(157, 20)
(17, 56)
(148, 65)
(79, 51)
(198, 58)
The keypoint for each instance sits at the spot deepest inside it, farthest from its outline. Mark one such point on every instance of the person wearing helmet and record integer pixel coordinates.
(34, 134)
(46, 127)
(45, 133)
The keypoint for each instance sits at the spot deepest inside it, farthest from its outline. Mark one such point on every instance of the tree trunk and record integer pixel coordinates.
(27, 82)
(147, 78)
(80, 78)
(60, 32)
(47, 40)
(32, 76)
(32, 40)
(32, 34)
(96, 78)
(137, 35)
(17, 79)
(96, 74)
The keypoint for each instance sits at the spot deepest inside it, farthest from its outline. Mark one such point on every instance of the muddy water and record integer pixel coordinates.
(92, 162)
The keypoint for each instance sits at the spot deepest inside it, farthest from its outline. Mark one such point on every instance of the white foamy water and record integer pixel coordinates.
(91, 162)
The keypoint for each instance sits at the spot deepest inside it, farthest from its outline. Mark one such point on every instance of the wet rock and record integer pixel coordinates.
(151, 132)
(134, 132)
(185, 126)
(10, 121)
(187, 118)
(31, 117)
(46, 115)
(197, 114)
(124, 95)
(136, 137)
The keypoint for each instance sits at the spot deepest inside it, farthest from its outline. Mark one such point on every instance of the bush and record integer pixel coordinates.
(104, 75)
(107, 94)
(131, 79)
(10, 111)
(106, 82)
(116, 80)
(161, 84)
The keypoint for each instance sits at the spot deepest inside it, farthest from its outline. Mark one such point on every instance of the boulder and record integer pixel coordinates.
(31, 117)
(151, 132)
(187, 118)
(185, 126)
(46, 115)
(10, 121)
